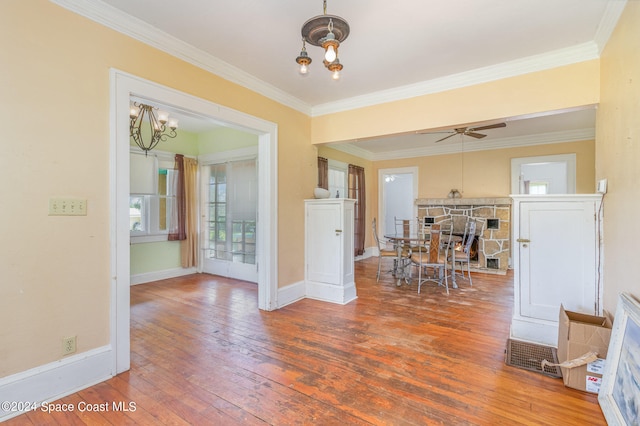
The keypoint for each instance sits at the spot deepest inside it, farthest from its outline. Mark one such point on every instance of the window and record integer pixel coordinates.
(338, 179)
(152, 199)
(538, 188)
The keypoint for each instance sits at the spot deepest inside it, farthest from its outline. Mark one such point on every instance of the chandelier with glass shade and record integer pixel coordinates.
(326, 31)
(148, 128)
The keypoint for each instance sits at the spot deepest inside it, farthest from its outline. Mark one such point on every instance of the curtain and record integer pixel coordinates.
(185, 230)
(357, 192)
(189, 246)
(323, 173)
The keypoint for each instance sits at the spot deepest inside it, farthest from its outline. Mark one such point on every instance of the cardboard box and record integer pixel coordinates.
(579, 334)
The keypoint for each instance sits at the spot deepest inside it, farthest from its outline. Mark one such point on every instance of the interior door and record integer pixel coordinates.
(557, 246)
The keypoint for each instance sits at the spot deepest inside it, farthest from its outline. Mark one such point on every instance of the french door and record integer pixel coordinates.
(230, 191)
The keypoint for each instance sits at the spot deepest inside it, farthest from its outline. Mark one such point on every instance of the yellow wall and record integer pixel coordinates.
(55, 100)
(618, 155)
(556, 89)
(486, 173)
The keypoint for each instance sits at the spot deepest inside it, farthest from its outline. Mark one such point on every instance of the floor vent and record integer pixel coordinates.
(529, 356)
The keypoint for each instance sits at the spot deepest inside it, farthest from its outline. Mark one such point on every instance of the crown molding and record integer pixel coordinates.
(353, 150)
(137, 29)
(549, 60)
(608, 23)
(457, 147)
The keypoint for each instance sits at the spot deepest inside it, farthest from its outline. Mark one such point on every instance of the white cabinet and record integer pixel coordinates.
(556, 260)
(329, 245)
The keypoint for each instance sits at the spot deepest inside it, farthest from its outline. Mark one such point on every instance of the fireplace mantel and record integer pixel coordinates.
(493, 201)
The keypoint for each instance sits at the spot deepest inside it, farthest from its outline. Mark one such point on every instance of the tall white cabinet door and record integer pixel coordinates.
(558, 264)
(329, 254)
(324, 235)
(556, 241)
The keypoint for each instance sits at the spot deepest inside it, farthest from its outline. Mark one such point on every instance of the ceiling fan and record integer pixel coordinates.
(472, 131)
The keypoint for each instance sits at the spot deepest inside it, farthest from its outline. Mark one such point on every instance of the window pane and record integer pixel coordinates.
(337, 180)
(162, 214)
(136, 213)
(538, 188)
(162, 182)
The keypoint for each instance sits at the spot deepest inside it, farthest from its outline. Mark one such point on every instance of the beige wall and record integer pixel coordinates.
(618, 155)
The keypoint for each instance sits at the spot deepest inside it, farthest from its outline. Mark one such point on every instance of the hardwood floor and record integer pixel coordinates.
(202, 353)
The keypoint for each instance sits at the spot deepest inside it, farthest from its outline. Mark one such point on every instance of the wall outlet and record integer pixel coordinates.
(68, 345)
(67, 207)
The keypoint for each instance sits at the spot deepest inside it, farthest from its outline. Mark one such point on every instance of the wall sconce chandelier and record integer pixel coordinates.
(326, 31)
(157, 122)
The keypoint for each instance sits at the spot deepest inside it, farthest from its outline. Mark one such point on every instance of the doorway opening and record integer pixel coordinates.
(123, 87)
(549, 174)
(397, 191)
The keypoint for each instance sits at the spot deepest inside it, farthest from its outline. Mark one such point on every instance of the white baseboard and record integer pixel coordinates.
(148, 277)
(368, 252)
(55, 380)
(290, 294)
(331, 293)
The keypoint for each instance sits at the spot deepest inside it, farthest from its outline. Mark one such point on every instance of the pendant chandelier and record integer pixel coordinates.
(326, 31)
(141, 116)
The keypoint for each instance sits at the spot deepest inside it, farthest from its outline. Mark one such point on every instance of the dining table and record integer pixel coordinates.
(402, 241)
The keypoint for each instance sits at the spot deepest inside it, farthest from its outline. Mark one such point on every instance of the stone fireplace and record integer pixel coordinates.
(493, 217)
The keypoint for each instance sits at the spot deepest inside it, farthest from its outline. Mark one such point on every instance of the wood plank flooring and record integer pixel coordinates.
(202, 353)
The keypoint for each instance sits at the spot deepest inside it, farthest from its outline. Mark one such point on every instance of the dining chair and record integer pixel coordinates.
(434, 256)
(462, 253)
(408, 228)
(383, 251)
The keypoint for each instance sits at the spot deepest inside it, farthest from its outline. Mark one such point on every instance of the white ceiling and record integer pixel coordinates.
(396, 49)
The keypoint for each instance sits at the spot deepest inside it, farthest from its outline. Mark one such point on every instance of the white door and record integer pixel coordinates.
(230, 219)
(556, 246)
(398, 190)
(324, 233)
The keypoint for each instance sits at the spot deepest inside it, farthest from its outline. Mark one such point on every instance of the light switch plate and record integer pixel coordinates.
(67, 207)
(602, 186)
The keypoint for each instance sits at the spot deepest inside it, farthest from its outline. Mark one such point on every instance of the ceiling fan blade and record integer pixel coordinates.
(475, 135)
(490, 126)
(446, 137)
